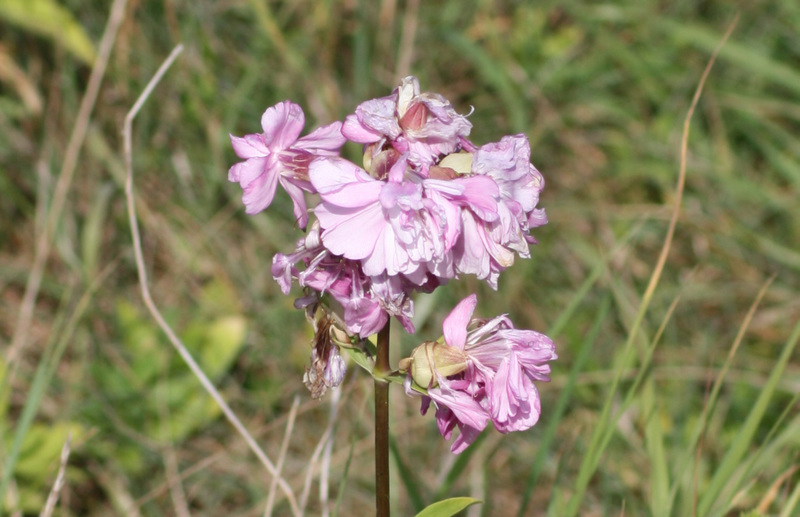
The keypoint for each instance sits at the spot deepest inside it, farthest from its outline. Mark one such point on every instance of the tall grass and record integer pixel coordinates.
(698, 415)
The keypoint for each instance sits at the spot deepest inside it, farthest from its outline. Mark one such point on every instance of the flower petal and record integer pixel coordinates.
(466, 409)
(298, 201)
(351, 233)
(343, 183)
(455, 324)
(282, 124)
(323, 141)
(249, 146)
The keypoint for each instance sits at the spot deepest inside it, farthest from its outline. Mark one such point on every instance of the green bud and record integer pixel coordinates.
(431, 358)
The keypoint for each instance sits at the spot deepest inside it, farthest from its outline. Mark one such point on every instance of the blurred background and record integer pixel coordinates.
(600, 89)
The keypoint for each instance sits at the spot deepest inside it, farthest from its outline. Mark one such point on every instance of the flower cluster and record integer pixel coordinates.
(484, 370)
(425, 206)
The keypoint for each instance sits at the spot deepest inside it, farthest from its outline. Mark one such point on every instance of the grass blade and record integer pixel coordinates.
(745, 437)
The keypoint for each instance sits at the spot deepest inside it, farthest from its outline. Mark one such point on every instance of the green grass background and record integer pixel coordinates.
(670, 425)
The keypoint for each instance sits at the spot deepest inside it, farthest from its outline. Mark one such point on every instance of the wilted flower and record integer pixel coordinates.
(327, 367)
(278, 154)
(496, 381)
(366, 302)
(423, 125)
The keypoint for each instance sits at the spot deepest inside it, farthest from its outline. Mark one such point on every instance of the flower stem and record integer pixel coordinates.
(382, 424)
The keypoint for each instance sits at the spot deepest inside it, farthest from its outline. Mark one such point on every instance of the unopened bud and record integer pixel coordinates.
(431, 358)
(415, 116)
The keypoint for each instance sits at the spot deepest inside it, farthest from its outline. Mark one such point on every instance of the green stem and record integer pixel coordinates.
(382, 424)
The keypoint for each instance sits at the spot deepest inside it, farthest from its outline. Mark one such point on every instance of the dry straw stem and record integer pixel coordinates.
(662, 258)
(282, 455)
(175, 487)
(602, 430)
(406, 52)
(712, 397)
(322, 447)
(55, 492)
(774, 489)
(45, 238)
(148, 301)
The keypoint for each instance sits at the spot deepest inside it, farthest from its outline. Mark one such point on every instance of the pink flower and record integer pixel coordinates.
(278, 154)
(399, 231)
(496, 382)
(406, 225)
(487, 247)
(367, 302)
(423, 125)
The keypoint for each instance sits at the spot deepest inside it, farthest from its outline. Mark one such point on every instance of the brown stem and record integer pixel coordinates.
(382, 424)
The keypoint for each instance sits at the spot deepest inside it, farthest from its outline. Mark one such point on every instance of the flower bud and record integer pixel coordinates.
(415, 117)
(379, 158)
(431, 358)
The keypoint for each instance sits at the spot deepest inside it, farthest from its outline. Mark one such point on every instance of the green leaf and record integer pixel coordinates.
(360, 357)
(41, 450)
(448, 507)
(224, 340)
(93, 226)
(50, 19)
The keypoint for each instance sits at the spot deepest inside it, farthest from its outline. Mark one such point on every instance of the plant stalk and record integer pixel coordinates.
(382, 424)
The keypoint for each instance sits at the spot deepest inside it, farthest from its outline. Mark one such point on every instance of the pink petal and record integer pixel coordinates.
(298, 200)
(378, 116)
(470, 253)
(389, 255)
(455, 324)
(247, 171)
(355, 132)
(282, 124)
(465, 439)
(259, 192)
(326, 140)
(480, 193)
(249, 146)
(343, 183)
(351, 234)
(463, 406)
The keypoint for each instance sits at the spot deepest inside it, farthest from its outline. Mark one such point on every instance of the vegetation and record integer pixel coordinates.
(692, 412)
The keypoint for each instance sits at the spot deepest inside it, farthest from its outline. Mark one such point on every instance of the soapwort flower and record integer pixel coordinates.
(279, 154)
(481, 371)
(424, 206)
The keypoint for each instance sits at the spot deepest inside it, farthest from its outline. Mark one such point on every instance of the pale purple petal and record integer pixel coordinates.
(377, 116)
(259, 181)
(469, 251)
(354, 131)
(282, 124)
(323, 141)
(465, 439)
(249, 146)
(342, 183)
(298, 201)
(537, 218)
(455, 324)
(480, 194)
(335, 369)
(340, 228)
(463, 406)
(282, 269)
(364, 316)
